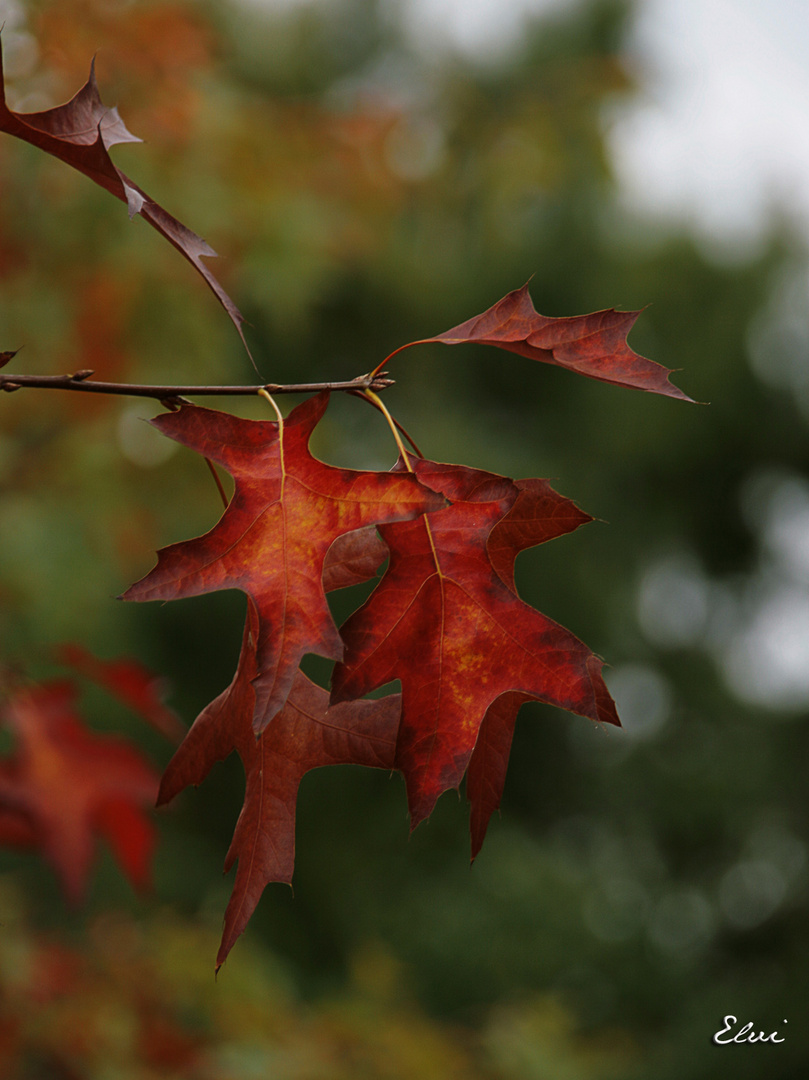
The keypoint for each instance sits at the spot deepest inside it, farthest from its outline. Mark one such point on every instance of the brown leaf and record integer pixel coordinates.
(594, 345)
(80, 133)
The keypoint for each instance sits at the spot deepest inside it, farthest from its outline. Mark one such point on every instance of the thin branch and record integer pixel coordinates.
(82, 382)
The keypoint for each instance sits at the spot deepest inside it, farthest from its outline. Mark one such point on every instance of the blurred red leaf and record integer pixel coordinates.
(65, 784)
(133, 684)
(17, 830)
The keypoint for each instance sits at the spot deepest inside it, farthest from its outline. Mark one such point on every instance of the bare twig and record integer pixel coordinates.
(81, 381)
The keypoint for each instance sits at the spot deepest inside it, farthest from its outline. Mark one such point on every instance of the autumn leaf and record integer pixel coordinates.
(353, 558)
(130, 682)
(488, 765)
(594, 345)
(538, 514)
(444, 623)
(63, 784)
(305, 735)
(80, 133)
(273, 539)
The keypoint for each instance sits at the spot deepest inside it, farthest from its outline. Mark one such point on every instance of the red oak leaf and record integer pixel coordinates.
(594, 345)
(444, 623)
(353, 558)
(131, 683)
(64, 783)
(305, 735)
(538, 514)
(80, 133)
(273, 538)
(486, 775)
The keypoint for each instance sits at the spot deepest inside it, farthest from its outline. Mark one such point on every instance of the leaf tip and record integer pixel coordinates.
(673, 391)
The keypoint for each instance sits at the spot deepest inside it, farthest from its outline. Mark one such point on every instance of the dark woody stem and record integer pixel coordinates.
(81, 381)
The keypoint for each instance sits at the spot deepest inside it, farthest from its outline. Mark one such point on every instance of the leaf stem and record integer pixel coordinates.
(401, 427)
(377, 370)
(372, 397)
(264, 392)
(217, 481)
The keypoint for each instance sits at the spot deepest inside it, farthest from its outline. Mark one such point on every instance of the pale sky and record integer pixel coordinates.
(722, 128)
(723, 132)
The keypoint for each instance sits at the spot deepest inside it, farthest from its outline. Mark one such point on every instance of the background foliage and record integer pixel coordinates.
(640, 884)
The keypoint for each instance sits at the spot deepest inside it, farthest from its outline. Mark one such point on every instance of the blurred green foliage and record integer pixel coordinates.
(640, 884)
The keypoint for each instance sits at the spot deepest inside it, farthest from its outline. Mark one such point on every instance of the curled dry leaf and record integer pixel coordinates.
(80, 133)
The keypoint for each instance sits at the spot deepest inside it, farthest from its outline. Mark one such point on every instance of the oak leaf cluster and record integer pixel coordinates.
(444, 619)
